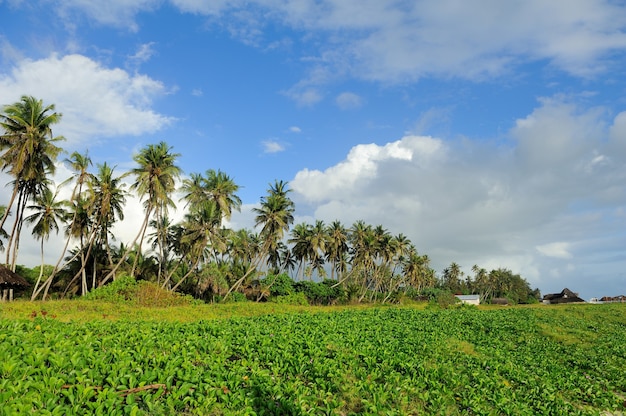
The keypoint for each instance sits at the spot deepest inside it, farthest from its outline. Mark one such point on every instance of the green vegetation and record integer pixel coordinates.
(386, 360)
(200, 256)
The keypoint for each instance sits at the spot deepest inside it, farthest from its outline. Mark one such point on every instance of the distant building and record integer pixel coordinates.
(621, 298)
(469, 299)
(566, 296)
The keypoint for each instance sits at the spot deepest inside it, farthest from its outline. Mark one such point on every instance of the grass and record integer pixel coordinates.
(91, 310)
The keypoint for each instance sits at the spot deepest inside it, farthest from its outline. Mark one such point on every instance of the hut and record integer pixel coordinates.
(566, 296)
(9, 281)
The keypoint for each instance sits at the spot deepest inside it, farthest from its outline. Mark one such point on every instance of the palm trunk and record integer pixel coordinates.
(40, 273)
(10, 204)
(125, 255)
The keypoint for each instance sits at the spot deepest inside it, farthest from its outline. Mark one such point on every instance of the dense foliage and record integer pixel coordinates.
(200, 255)
(517, 361)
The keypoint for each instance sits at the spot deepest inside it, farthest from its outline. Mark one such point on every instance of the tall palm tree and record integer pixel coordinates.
(201, 228)
(274, 216)
(337, 247)
(216, 189)
(30, 152)
(319, 240)
(155, 182)
(27, 190)
(222, 190)
(301, 246)
(47, 214)
(79, 163)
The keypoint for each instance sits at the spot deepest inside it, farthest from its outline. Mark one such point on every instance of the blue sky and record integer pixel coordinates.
(489, 132)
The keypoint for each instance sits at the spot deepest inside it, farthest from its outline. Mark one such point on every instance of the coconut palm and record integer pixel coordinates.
(274, 216)
(336, 248)
(155, 182)
(46, 216)
(79, 163)
(301, 246)
(29, 153)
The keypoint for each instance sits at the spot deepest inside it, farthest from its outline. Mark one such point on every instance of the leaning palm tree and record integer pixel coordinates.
(29, 151)
(47, 214)
(274, 216)
(155, 181)
(79, 163)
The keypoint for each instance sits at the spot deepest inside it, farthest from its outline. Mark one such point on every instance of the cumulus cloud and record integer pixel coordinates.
(487, 204)
(96, 102)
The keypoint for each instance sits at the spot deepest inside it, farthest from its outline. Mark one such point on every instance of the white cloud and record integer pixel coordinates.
(143, 54)
(348, 101)
(487, 204)
(272, 146)
(96, 102)
(295, 129)
(391, 41)
(361, 165)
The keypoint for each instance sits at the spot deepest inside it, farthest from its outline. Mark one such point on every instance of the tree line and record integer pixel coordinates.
(199, 255)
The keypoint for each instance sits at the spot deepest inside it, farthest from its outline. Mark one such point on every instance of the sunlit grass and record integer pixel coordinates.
(88, 310)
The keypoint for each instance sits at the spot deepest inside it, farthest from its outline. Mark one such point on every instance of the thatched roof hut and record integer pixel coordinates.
(11, 280)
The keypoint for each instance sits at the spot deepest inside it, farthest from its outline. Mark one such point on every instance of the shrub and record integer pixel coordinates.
(235, 297)
(292, 299)
(141, 293)
(322, 293)
(280, 285)
(120, 290)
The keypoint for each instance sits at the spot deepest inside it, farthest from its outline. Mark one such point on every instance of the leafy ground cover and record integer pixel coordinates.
(392, 360)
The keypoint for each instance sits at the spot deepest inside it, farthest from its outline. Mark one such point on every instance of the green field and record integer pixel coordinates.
(93, 358)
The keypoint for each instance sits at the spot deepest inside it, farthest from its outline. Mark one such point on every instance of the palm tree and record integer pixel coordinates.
(274, 216)
(201, 227)
(222, 190)
(216, 189)
(155, 181)
(30, 153)
(48, 212)
(79, 163)
(319, 239)
(301, 246)
(337, 248)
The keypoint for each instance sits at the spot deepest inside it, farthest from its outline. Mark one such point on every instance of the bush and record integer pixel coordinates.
(141, 293)
(322, 293)
(292, 299)
(281, 285)
(235, 297)
(443, 300)
(122, 289)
